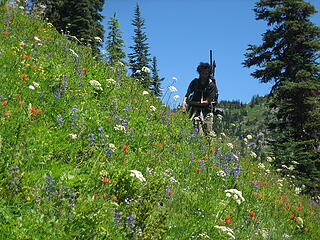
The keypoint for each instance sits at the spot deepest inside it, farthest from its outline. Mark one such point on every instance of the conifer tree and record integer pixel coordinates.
(139, 58)
(79, 18)
(288, 57)
(115, 43)
(156, 80)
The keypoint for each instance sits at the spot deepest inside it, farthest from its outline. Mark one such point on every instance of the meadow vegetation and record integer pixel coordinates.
(87, 153)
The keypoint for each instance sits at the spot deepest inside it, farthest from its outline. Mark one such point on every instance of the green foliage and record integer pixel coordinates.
(139, 58)
(288, 57)
(156, 80)
(86, 153)
(79, 18)
(115, 43)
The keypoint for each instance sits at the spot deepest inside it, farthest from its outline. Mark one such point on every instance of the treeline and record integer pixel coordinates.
(82, 20)
(288, 57)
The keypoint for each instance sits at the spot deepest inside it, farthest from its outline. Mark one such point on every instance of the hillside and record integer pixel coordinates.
(241, 120)
(87, 153)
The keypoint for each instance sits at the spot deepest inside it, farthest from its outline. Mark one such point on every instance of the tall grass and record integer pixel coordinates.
(87, 153)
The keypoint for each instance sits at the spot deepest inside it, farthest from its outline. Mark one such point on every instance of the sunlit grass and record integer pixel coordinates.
(72, 130)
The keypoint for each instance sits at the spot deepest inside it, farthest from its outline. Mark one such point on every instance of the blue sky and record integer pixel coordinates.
(181, 33)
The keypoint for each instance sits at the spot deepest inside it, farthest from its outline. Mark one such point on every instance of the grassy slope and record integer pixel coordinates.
(65, 167)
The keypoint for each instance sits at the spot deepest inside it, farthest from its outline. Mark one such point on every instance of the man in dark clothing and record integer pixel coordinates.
(201, 97)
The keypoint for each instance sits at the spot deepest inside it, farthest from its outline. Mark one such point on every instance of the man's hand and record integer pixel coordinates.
(184, 109)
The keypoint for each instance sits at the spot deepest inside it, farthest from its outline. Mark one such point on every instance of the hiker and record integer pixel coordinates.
(201, 97)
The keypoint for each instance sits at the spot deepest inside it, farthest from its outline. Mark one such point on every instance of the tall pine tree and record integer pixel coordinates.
(288, 57)
(139, 58)
(79, 18)
(115, 43)
(156, 80)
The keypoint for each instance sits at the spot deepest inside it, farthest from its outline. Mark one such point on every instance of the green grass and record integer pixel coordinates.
(65, 159)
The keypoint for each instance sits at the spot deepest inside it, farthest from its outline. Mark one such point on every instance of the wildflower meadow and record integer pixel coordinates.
(87, 153)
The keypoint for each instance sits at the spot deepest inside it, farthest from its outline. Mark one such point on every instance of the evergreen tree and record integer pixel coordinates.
(288, 57)
(115, 43)
(156, 80)
(79, 18)
(139, 58)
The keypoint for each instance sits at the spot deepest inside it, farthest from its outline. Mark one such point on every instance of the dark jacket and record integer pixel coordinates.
(209, 92)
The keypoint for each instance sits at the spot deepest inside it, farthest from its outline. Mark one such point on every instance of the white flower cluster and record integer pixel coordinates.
(112, 147)
(111, 81)
(221, 173)
(261, 166)
(145, 69)
(230, 145)
(173, 89)
(95, 84)
(227, 230)
(145, 93)
(253, 154)
(98, 39)
(176, 97)
(270, 159)
(235, 194)
(137, 174)
(73, 135)
(119, 128)
(153, 108)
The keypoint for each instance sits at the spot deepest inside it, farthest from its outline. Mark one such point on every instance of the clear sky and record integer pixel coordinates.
(181, 33)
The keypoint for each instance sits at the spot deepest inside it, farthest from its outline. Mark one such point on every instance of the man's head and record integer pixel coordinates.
(204, 70)
(203, 66)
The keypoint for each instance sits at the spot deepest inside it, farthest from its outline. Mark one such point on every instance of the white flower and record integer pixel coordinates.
(73, 136)
(227, 230)
(285, 235)
(261, 166)
(253, 154)
(98, 39)
(174, 79)
(37, 39)
(176, 97)
(173, 89)
(112, 81)
(221, 173)
(21, 7)
(297, 190)
(137, 174)
(249, 137)
(230, 145)
(223, 135)
(269, 159)
(153, 108)
(112, 147)
(220, 117)
(95, 84)
(36, 84)
(145, 93)
(291, 167)
(32, 87)
(145, 69)
(119, 128)
(138, 71)
(235, 194)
